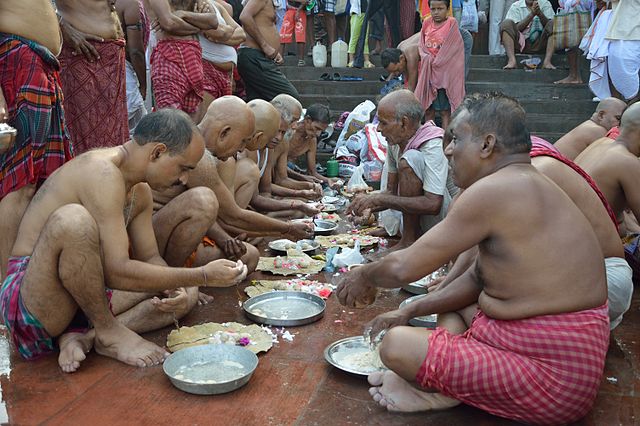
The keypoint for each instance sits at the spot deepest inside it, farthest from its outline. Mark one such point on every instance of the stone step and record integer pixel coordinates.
(550, 123)
(477, 61)
(371, 89)
(544, 106)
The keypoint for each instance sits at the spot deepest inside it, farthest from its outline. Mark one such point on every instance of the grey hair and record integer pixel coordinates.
(413, 110)
(284, 111)
(169, 126)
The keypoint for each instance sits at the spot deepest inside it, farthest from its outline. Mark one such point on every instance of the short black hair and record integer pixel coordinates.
(446, 2)
(318, 112)
(169, 126)
(502, 115)
(390, 55)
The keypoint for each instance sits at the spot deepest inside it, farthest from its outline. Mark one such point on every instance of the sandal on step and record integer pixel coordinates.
(368, 64)
(301, 63)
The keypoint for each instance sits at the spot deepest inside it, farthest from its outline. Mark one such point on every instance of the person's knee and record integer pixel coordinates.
(506, 26)
(73, 222)
(203, 204)
(393, 348)
(251, 258)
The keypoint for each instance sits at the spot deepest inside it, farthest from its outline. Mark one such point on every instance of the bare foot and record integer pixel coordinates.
(396, 394)
(548, 66)
(569, 80)
(511, 65)
(73, 347)
(126, 346)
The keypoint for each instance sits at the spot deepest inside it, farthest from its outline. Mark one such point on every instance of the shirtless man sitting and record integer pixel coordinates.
(304, 140)
(227, 127)
(285, 182)
(418, 169)
(74, 243)
(539, 281)
(606, 116)
(271, 125)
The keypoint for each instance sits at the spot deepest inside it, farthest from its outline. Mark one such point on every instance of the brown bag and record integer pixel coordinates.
(569, 28)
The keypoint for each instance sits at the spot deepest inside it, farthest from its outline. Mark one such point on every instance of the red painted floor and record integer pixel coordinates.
(292, 385)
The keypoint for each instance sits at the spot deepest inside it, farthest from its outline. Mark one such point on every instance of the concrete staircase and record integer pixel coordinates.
(552, 110)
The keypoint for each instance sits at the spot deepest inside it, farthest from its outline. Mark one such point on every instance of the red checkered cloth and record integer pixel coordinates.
(95, 96)
(217, 82)
(30, 82)
(614, 133)
(177, 76)
(540, 370)
(540, 147)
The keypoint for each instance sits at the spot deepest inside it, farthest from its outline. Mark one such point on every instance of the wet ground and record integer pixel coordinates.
(293, 385)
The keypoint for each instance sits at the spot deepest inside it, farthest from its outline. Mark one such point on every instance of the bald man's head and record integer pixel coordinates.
(399, 113)
(267, 124)
(608, 112)
(289, 103)
(227, 126)
(630, 121)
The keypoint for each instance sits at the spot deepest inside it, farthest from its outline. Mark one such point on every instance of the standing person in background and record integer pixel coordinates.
(407, 18)
(624, 48)
(136, 28)
(327, 9)
(31, 102)
(568, 6)
(259, 55)
(376, 32)
(93, 74)
(497, 10)
(295, 22)
(358, 8)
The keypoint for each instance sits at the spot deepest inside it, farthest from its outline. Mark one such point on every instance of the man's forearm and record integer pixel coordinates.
(133, 275)
(266, 204)
(252, 223)
(257, 231)
(203, 21)
(525, 22)
(460, 266)
(293, 184)
(420, 205)
(299, 176)
(140, 67)
(462, 292)
(281, 191)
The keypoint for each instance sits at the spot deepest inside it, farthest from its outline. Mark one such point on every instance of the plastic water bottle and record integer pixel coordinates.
(319, 53)
(339, 55)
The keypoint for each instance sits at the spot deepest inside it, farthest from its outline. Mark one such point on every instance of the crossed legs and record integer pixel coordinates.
(12, 208)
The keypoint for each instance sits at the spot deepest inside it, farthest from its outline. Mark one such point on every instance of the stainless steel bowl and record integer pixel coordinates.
(285, 308)
(192, 369)
(324, 227)
(427, 321)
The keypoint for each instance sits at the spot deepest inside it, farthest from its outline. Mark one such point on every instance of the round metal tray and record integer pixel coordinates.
(324, 227)
(428, 321)
(285, 308)
(335, 352)
(206, 363)
(329, 208)
(276, 246)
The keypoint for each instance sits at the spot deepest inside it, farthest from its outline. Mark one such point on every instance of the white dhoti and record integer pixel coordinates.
(619, 288)
(135, 104)
(624, 65)
(596, 48)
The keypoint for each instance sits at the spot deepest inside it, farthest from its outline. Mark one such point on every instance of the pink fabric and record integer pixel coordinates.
(539, 143)
(425, 133)
(443, 71)
(539, 370)
(614, 133)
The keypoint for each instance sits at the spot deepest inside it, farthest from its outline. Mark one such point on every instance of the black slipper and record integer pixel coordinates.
(325, 77)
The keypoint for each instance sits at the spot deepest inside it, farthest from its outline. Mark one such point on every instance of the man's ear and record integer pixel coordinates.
(224, 132)
(158, 150)
(255, 139)
(488, 145)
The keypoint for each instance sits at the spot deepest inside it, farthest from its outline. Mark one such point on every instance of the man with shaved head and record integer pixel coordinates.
(418, 168)
(228, 126)
(606, 116)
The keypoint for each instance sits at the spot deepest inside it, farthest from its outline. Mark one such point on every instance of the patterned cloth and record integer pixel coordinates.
(27, 333)
(217, 82)
(177, 76)
(541, 370)
(614, 133)
(539, 149)
(95, 94)
(30, 82)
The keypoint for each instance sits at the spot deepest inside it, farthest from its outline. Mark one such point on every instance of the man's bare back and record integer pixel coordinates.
(96, 17)
(411, 53)
(585, 199)
(18, 17)
(579, 138)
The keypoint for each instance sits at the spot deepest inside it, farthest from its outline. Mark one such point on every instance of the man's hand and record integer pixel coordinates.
(353, 290)
(535, 9)
(204, 299)
(305, 208)
(434, 284)
(234, 249)
(386, 321)
(202, 6)
(335, 183)
(361, 203)
(79, 42)
(300, 230)
(224, 273)
(174, 301)
(310, 194)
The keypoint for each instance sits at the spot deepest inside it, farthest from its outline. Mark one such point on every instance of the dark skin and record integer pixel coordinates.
(129, 14)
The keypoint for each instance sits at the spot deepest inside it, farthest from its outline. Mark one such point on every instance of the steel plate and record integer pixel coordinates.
(285, 308)
(335, 353)
(427, 321)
